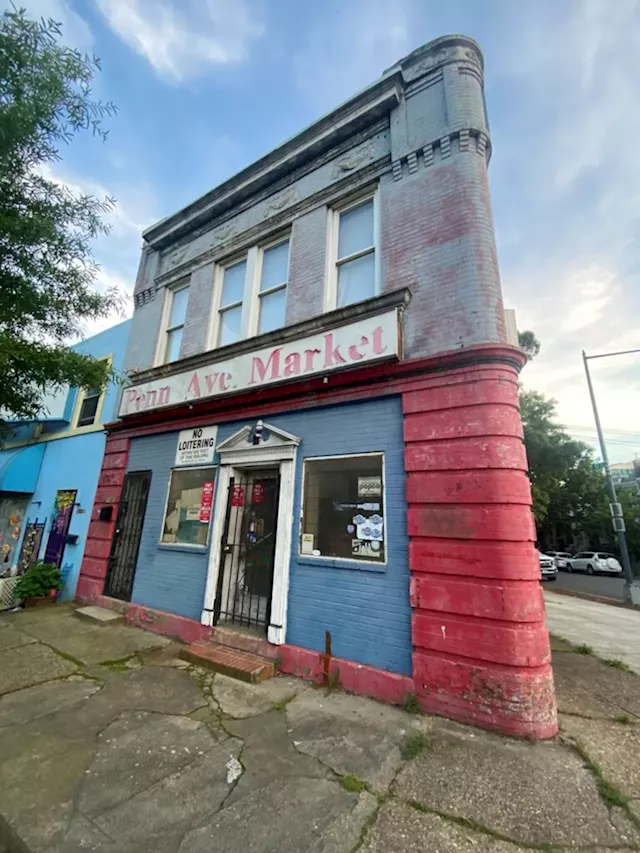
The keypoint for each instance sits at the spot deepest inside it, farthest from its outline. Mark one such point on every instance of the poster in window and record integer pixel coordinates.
(257, 493)
(206, 502)
(237, 496)
(307, 543)
(371, 550)
(369, 486)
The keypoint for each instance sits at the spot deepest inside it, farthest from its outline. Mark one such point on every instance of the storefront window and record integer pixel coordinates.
(343, 508)
(12, 512)
(189, 503)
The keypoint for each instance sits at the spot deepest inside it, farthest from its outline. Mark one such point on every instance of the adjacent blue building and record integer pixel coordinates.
(49, 471)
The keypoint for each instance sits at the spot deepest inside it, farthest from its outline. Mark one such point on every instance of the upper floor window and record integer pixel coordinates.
(272, 296)
(355, 255)
(253, 294)
(175, 323)
(89, 405)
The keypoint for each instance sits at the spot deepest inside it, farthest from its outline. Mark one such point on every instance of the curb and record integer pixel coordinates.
(601, 599)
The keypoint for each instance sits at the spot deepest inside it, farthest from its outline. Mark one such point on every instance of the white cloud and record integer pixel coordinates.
(181, 39)
(343, 53)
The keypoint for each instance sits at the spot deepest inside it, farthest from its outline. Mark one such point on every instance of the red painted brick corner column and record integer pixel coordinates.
(93, 570)
(480, 646)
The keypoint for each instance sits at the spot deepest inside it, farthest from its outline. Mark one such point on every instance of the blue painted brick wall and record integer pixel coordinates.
(366, 610)
(166, 578)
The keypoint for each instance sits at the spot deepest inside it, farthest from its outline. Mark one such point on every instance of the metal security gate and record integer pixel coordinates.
(245, 579)
(126, 539)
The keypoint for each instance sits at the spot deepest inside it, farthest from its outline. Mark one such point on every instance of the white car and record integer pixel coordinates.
(560, 558)
(548, 569)
(592, 562)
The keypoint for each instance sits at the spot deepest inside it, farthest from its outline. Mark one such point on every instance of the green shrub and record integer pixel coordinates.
(39, 579)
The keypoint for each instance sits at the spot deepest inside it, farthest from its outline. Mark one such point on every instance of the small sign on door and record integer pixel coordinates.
(237, 496)
(257, 493)
(369, 486)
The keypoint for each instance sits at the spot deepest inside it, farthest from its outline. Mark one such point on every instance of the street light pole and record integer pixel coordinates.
(631, 588)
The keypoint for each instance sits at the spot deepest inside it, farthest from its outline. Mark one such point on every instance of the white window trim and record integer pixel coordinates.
(213, 468)
(80, 399)
(332, 264)
(282, 456)
(163, 337)
(251, 295)
(328, 559)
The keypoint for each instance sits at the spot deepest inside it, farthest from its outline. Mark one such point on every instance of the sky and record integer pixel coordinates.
(205, 87)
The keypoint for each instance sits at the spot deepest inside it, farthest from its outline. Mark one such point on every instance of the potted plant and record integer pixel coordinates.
(40, 584)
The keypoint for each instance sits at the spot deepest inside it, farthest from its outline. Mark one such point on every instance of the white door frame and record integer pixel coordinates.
(278, 450)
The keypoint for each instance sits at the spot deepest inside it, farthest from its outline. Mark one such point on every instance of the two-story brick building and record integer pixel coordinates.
(322, 435)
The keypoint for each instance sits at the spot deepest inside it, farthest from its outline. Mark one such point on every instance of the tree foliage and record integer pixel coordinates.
(47, 270)
(529, 343)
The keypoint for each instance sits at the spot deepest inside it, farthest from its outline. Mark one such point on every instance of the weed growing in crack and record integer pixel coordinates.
(353, 784)
(413, 746)
(618, 664)
(583, 649)
(282, 704)
(609, 793)
(411, 704)
(625, 719)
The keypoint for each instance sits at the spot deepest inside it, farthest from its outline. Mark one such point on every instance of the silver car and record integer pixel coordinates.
(593, 562)
(560, 558)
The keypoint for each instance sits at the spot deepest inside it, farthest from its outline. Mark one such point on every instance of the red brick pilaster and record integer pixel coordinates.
(96, 553)
(480, 645)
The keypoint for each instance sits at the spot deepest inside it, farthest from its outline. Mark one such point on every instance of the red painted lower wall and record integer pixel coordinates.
(93, 570)
(480, 646)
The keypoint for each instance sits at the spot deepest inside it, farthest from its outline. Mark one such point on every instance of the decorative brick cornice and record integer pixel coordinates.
(142, 297)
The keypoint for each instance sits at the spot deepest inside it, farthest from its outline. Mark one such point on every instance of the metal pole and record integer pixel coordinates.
(631, 589)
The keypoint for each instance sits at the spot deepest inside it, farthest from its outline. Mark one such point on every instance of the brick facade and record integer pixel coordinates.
(458, 614)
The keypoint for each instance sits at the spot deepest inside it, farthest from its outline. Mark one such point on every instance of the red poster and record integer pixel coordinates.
(237, 498)
(257, 493)
(206, 501)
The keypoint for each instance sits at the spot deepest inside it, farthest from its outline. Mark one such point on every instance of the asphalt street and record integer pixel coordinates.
(595, 584)
(613, 633)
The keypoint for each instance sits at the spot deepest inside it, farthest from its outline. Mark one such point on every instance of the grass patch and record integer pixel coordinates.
(618, 664)
(118, 665)
(353, 784)
(609, 793)
(583, 649)
(413, 746)
(282, 704)
(66, 656)
(411, 704)
(625, 719)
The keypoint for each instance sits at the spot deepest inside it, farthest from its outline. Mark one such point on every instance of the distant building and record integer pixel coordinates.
(626, 473)
(49, 471)
(322, 434)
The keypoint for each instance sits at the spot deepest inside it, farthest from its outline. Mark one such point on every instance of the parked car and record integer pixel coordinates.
(593, 562)
(548, 569)
(560, 558)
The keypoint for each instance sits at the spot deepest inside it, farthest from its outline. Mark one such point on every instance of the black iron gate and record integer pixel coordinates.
(126, 539)
(245, 579)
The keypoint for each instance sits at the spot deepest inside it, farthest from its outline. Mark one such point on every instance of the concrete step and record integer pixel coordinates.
(99, 615)
(237, 664)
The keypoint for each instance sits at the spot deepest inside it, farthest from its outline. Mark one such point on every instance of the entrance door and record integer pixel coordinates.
(245, 579)
(126, 539)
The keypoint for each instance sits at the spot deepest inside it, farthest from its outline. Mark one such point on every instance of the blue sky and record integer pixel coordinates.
(204, 87)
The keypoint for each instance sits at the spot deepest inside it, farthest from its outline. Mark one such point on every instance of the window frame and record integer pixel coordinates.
(333, 262)
(251, 296)
(163, 343)
(366, 565)
(82, 396)
(190, 546)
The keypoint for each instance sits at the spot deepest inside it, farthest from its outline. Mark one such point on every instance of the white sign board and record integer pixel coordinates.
(350, 346)
(368, 486)
(196, 446)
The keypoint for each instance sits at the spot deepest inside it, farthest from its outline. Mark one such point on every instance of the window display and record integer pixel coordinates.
(188, 512)
(343, 508)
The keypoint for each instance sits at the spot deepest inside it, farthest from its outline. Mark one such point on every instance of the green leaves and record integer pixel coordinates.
(47, 270)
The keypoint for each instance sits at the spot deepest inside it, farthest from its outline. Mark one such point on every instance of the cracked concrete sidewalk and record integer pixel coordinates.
(109, 742)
